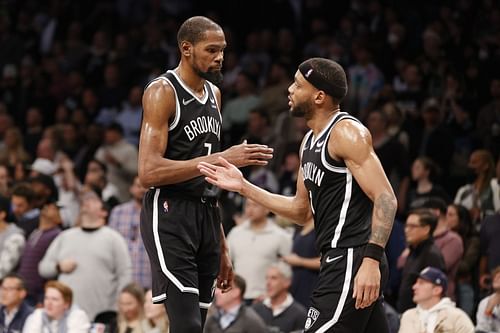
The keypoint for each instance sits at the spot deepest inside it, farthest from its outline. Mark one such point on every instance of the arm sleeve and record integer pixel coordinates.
(78, 322)
(48, 265)
(452, 252)
(11, 253)
(123, 268)
(483, 323)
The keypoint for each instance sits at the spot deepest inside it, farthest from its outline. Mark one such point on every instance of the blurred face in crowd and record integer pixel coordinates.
(11, 293)
(50, 212)
(129, 306)
(4, 176)
(452, 218)
(415, 232)
(151, 310)
(54, 303)
(418, 170)
(228, 299)
(19, 206)
(276, 283)
(424, 291)
(95, 174)
(92, 212)
(254, 211)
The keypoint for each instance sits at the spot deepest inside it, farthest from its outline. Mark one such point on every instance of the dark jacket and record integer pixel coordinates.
(16, 325)
(423, 255)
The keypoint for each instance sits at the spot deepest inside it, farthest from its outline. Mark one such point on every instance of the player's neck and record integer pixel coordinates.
(191, 79)
(321, 119)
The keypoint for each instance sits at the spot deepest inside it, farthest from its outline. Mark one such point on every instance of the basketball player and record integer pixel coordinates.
(343, 185)
(180, 222)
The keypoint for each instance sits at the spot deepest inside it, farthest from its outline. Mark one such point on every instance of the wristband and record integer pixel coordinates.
(374, 251)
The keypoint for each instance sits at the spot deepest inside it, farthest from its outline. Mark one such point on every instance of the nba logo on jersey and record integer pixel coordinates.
(165, 206)
(312, 316)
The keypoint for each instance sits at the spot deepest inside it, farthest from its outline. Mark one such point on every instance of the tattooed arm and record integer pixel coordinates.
(352, 143)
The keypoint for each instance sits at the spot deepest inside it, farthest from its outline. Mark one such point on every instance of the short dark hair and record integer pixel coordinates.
(24, 190)
(326, 75)
(22, 283)
(435, 203)
(194, 28)
(239, 282)
(425, 217)
(116, 127)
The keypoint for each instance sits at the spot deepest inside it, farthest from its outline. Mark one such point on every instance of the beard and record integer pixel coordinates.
(301, 110)
(213, 76)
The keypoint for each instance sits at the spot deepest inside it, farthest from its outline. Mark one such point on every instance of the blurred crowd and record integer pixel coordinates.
(424, 77)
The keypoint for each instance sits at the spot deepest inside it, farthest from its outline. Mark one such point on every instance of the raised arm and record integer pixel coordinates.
(228, 177)
(352, 142)
(154, 170)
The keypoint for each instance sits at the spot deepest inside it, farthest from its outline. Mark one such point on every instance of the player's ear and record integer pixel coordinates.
(186, 49)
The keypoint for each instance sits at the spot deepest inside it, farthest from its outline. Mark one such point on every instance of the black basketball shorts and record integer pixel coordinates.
(332, 306)
(182, 238)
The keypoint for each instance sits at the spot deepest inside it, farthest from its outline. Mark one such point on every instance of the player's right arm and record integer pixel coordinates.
(227, 176)
(158, 104)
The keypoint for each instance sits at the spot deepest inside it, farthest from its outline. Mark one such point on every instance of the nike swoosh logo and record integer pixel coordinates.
(188, 101)
(329, 260)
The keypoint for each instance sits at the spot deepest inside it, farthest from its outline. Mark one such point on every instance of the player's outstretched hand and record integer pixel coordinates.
(248, 154)
(225, 175)
(367, 283)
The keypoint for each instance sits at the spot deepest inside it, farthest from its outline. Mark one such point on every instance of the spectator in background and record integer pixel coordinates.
(236, 110)
(92, 258)
(488, 312)
(231, 314)
(125, 218)
(120, 157)
(447, 241)
(12, 241)
(130, 317)
(96, 179)
(23, 201)
(477, 196)
(155, 314)
(434, 312)
(130, 116)
(304, 261)
(459, 220)
(13, 308)
(279, 310)
(488, 119)
(13, 151)
(48, 229)
(424, 172)
(5, 180)
(254, 245)
(58, 314)
(421, 252)
(490, 249)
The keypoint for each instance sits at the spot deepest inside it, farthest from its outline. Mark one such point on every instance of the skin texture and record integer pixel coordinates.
(204, 56)
(351, 142)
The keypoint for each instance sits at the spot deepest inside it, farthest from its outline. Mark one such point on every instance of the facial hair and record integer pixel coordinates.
(301, 110)
(213, 76)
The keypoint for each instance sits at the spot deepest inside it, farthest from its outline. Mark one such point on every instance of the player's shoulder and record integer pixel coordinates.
(159, 85)
(350, 128)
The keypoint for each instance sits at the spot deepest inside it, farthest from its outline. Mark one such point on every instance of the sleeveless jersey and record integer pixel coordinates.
(342, 211)
(194, 131)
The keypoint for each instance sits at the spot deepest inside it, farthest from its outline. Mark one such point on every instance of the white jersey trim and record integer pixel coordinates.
(202, 100)
(205, 305)
(343, 210)
(211, 85)
(343, 296)
(159, 251)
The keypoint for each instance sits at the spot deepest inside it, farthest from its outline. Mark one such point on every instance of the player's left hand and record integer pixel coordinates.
(367, 283)
(226, 274)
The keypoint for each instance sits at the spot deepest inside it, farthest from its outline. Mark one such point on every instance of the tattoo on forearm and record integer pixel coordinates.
(384, 213)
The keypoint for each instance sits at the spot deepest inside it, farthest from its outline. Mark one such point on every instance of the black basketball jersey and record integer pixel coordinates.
(342, 211)
(194, 131)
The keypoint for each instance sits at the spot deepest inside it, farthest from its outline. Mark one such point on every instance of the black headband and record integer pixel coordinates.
(319, 82)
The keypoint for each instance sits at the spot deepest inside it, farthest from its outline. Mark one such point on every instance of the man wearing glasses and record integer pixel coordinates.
(13, 309)
(420, 253)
